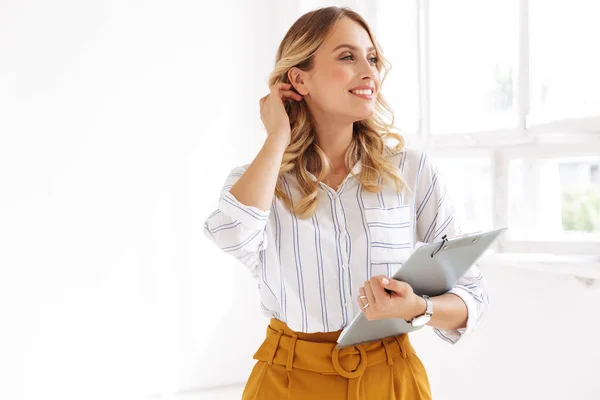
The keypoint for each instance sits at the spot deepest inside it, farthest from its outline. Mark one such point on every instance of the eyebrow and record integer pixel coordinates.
(351, 47)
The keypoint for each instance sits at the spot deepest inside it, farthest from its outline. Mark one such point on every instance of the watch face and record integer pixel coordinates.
(420, 321)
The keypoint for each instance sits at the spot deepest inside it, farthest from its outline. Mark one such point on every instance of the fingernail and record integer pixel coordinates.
(385, 281)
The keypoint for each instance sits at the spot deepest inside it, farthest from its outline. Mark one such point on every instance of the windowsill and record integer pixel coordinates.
(579, 266)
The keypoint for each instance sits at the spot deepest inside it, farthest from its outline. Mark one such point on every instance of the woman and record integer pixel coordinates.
(326, 213)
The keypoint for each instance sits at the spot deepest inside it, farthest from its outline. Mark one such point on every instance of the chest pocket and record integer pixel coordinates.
(391, 234)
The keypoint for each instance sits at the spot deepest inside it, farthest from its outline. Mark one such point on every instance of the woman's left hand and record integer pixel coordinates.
(401, 303)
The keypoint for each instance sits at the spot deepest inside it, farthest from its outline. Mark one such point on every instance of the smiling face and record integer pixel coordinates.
(337, 69)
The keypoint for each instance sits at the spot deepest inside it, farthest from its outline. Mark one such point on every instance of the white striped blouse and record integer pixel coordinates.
(308, 272)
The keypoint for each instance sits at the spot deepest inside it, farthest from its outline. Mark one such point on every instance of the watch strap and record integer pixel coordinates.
(428, 311)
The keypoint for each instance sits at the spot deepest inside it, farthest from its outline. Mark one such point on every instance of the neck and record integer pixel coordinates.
(334, 141)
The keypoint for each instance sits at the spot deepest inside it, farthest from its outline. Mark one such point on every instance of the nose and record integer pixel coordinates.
(367, 70)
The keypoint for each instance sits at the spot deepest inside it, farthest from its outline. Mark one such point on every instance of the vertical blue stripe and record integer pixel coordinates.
(361, 207)
(298, 262)
(380, 194)
(416, 196)
(281, 275)
(321, 278)
(264, 272)
(401, 166)
(421, 163)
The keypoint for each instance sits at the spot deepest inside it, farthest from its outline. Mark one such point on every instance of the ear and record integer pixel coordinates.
(297, 79)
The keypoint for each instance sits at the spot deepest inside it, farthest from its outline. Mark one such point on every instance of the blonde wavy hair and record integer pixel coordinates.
(297, 49)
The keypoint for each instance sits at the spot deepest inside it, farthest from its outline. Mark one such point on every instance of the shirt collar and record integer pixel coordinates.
(387, 150)
(355, 170)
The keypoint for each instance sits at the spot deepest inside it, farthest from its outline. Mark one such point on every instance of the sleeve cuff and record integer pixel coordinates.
(249, 216)
(471, 309)
(454, 335)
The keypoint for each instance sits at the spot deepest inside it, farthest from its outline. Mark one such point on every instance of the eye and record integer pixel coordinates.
(372, 59)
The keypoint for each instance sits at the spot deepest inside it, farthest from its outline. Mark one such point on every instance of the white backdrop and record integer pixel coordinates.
(119, 121)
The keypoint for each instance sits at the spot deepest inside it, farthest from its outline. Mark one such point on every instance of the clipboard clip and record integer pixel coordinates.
(444, 241)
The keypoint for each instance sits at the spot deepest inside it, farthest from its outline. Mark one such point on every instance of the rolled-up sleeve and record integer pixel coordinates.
(236, 228)
(435, 217)
(472, 289)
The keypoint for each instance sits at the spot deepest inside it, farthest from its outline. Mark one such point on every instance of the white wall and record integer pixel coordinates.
(537, 341)
(110, 114)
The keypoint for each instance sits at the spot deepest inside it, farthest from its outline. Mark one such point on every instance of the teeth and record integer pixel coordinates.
(366, 91)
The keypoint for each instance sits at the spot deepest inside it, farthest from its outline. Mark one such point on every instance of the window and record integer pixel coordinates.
(396, 32)
(555, 198)
(469, 183)
(564, 60)
(509, 105)
(474, 48)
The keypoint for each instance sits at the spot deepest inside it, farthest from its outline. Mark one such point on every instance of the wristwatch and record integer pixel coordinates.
(422, 319)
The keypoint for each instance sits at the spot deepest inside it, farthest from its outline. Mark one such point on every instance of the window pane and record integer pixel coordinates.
(396, 32)
(565, 82)
(555, 198)
(474, 49)
(470, 186)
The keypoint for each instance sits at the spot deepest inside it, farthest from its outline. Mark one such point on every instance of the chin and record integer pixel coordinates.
(365, 115)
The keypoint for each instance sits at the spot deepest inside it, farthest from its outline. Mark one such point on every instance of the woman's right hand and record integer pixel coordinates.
(272, 110)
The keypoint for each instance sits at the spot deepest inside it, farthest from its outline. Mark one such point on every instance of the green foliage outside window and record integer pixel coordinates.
(581, 209)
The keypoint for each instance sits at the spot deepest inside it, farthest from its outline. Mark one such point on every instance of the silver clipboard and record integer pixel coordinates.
(432, 269)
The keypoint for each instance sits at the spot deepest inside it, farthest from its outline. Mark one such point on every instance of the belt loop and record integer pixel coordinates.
(292, 349)
(388, 352)
(402, 349)
(274, 348)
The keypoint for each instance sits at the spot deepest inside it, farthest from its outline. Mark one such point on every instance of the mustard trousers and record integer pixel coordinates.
(306, 366)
